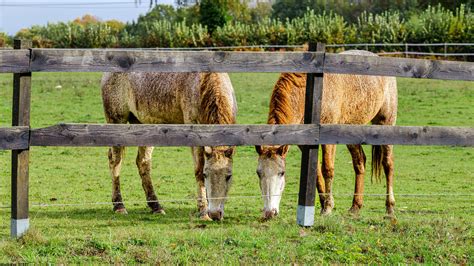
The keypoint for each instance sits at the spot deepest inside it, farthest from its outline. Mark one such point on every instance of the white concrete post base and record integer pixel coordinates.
(305, 215)
(19, 227)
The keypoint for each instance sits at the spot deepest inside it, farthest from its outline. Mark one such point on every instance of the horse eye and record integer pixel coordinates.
(259, 174)
(281, 173)
(204, 175)
(227, 178)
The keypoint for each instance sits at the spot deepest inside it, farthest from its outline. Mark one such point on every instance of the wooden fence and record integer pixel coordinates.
(23, 60)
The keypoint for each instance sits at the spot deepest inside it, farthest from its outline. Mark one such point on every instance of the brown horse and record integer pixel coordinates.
(173, 98)
(347, 99)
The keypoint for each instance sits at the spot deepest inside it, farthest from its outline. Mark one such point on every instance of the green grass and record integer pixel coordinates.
(434, 229)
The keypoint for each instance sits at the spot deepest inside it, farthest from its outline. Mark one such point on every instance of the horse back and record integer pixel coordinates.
(155, 98)
(347, 99)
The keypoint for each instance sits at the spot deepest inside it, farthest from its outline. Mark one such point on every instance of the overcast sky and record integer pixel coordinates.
(18, 14)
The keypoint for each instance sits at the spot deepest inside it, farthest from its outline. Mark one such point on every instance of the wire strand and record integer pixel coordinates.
(236, 197)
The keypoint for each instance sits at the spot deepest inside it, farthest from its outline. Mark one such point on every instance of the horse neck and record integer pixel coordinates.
(217, 103)
(287, 102)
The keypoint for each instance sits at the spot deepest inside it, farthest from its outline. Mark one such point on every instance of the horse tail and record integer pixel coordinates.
(377, 155)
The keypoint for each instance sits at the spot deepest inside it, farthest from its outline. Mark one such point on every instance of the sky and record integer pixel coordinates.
(18, 14)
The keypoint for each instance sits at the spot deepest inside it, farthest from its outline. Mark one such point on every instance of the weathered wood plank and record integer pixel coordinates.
(95, 60)
(20, 158)
(172, 135)
(14, 138)
(399, 67)
(102, 60)
(213, 135)
(14, 61)
(398, 135)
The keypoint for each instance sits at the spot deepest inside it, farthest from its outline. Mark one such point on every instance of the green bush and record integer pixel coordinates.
(433, 25)
(327, 28)
(5, 40)
(387, 27)
(163, 33)
(72, 35)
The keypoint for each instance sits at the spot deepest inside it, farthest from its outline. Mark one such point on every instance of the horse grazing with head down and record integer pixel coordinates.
(173, 98)
(346, 99)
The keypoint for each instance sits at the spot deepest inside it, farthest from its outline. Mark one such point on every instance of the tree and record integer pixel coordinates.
(186, 3)
(159, 12)
(284, 9)
(189, 14)
(261, 12)
(238, 10)
(86, 19)
(152, 2)
(213, 14)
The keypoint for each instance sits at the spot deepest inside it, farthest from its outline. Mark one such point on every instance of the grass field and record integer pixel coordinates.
(430, 229)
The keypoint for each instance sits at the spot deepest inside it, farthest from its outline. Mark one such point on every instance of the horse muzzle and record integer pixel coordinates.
(216, 215)
(269, 214)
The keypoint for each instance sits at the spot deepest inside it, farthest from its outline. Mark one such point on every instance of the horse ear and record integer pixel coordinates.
(283, 150)
(207, 151)
(259, 150)
(229, 152)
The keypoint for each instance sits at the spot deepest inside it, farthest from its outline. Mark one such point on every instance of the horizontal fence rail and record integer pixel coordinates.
(172, 135)
(398, 135)
(14, 138)
(398, 67)
(94, 135)
(15, 61)
(116, 60)
(86, 60)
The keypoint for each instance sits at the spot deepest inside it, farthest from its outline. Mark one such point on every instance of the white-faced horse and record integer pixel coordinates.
(346, 99)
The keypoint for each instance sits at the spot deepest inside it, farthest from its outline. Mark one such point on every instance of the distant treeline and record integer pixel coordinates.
(160, 29)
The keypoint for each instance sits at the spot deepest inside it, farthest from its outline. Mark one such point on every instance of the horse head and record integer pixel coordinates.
(271, 172)
(217, 178)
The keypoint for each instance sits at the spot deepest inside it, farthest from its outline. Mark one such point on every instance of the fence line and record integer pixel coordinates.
(251, 196)
(103, 60)
(399, 44)
(23, 60)
(426, 54)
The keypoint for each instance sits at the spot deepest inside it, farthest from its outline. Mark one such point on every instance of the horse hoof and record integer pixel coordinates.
(121, 211)
(159, 211)
(205, 217)
(326, 212)
(354, 211)
(390, 217)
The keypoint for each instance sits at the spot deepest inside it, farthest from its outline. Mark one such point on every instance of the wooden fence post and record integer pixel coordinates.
(309, 160)
(20, 158)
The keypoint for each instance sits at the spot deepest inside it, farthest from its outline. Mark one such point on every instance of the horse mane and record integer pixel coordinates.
(216, 107)
(281, 106)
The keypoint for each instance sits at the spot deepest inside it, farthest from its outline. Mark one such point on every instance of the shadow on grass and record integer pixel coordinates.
(103, 216)
(173, 214)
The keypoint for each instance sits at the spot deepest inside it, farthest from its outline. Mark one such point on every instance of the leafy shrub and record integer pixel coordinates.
(433, 25)
(5, 40)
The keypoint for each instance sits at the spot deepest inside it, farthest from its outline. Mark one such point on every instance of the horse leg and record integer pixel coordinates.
(115, 165)
(198, 158)
(387, 162)
(329, 152)
(358, 161)
(144, 169)
(320, 186)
